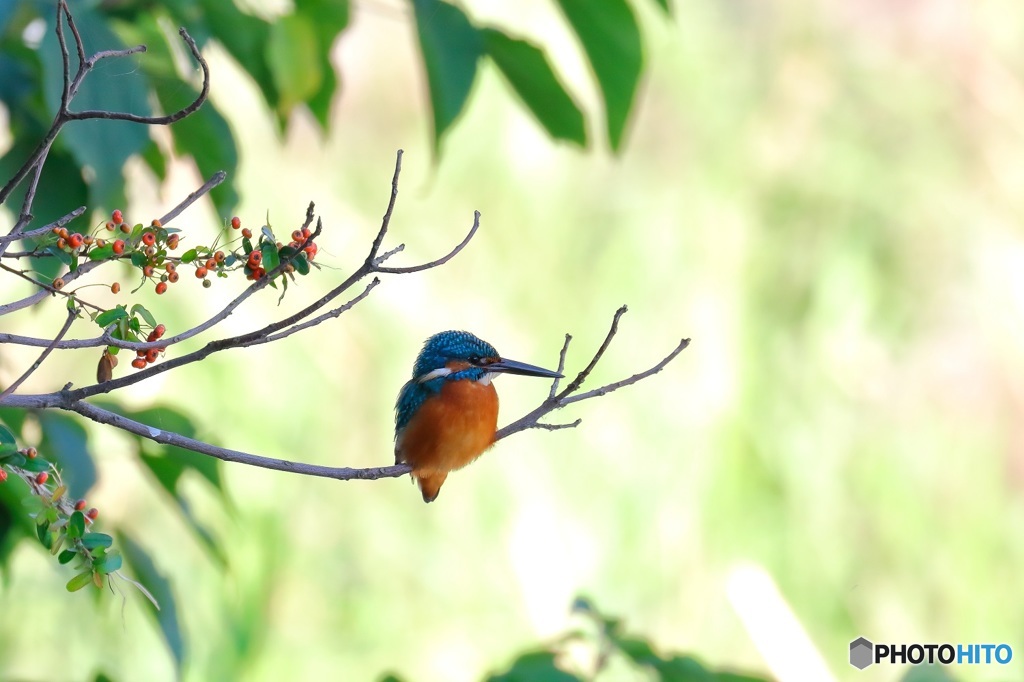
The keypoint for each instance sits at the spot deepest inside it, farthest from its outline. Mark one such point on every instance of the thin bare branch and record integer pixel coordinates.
(608, 388)
(46, 289)
(45, 229)
(72, 314)
(561, 366)
(214, 180)
(335, 312)
(386, 221)
(440, 261)
(582, 376)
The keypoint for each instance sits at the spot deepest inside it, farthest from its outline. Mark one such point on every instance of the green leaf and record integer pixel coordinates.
(139, 309)
(270, 259)
(36, 465)
(294, 63)
(166, 616)
(101, 252)
(110, 316)
(76, 526)
(94, 540)
(44, 535)
(79, 581)
(110, 563)
(66, 443)
(6, 436)
(328, 18)
(663, 4)
(246, 245)
(301, 264)
(535, 666)
(66, 556)
(530, 75)
(611, 39)
(451, 47)
(189, 256)
(139, 259)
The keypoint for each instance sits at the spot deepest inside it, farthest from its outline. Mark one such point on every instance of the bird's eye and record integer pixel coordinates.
(474, 359)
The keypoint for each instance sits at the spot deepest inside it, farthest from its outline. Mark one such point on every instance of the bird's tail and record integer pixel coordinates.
(430, 483)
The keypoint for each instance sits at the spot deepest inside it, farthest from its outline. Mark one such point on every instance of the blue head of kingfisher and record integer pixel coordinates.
(447, 414)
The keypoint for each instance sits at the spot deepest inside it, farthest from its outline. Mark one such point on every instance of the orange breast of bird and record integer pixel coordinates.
(448, 431)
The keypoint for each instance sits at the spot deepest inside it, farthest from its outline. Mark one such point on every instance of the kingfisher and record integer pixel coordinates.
(447, 414)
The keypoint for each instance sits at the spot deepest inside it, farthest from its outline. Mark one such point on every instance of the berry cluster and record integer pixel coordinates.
(148, 357)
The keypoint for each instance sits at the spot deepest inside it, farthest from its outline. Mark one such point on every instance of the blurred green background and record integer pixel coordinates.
(825, 196)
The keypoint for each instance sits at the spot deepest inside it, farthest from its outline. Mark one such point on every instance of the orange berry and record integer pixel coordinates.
(125, 227)
(172, 276)
(119, 246)
(169, 266)
(151, 355)
(101, 242)
(147, 270)
(310, 251)
(58, 284)
(211, 263)
(247, 233)
(306, 232)
(109, 226)
(75, 240)
(260, 272)
(156, 223)
(139, 363)
(31, 453)
(159, 330)
(297, 236)
(172, 241)
(3, 475)
(61, 243)
(161, 287)
(200, 272)
(92, 513)
(150, 251)
(87, 240)
(80, 505)
(149, 239)
(236, 223)
(219, 256)
(42, 477)
(63, 232)
(115, 287)
(56, 231)
(117, 217)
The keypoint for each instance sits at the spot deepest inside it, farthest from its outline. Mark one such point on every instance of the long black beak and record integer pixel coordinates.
(513, 367)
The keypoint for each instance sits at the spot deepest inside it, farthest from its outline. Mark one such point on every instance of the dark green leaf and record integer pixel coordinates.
(112, 315)
(94, 540)
(79, 581)
(294, 62)
(66, 556)
(270, 259)
(328, 18)
(140, 310)
(189, 256)
(101, 252)
(6, 436)
(37, 464)
(664, 5)
(66, 443)
(246, 245)
(301, 264)
(76, 526)
(451, 47)
(245, 38)
(139, 259)
(536, 666)
(611, 39)
(110, 563)
(166, 616)
(530, 75)
(44, 535)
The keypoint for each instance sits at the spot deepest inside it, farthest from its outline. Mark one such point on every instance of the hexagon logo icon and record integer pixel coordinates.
(861, 651)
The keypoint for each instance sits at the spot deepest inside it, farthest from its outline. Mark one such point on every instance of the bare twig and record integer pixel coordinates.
(45, 229)
(72, 314)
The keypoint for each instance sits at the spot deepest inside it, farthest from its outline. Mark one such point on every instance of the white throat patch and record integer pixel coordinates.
(433, 374)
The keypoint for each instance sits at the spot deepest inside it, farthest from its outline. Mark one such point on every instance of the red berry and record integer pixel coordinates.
(92, 513)
(3, 475)
(306, 232)
(75, 240)
(247, 233)
(200, 272)
(115, 287)
(236, 223)
(310, 251)
(211, 263)
(116, 215)
(219, 257)
(254, 258)
(149, 239)
(297, 236)
(172, 276)
(172, 241)
(151, 355)
(42, 477)
(80, 505)
(161, 287)
(159, 330)
(31, 453)
(139, 363)
(119, 246)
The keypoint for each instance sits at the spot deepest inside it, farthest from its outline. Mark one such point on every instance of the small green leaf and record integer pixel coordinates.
(44, 535)
(110, 563)
(37, 464)
(451, 48)
(66, 556)
(139, 309)
(110, 316)
(80, 581)
(530, 75)
(94, 540)
(139, 259)
(268, 234)
(102, 252)
(189, 256)
(535, 666)
(76, 526)
(246, 245)
(270, 259)
(301, 264)
(74, 262)
(6, 436)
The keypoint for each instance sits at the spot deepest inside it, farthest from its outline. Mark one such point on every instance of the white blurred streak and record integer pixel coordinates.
(773, 627)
